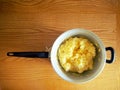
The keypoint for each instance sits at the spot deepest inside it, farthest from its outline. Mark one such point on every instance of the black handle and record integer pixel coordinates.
(29, 54)
(112, 55)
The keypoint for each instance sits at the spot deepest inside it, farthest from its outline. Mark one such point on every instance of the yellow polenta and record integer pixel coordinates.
(76, 54)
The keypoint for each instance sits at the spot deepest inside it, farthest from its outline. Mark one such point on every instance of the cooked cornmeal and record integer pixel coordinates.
(76, 54)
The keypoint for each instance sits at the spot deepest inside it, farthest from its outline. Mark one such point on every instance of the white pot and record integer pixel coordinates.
(98, 64)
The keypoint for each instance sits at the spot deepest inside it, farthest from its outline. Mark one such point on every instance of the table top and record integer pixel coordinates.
(33, 25)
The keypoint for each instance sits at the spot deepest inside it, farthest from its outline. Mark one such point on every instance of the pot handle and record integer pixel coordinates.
(112, 55)
(29, 54)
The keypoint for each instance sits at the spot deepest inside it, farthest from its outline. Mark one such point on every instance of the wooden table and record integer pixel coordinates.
(33, 25)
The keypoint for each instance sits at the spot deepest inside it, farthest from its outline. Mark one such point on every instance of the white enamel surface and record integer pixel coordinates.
(98, 66)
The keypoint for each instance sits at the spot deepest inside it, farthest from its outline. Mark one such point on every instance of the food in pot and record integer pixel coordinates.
(76, 54)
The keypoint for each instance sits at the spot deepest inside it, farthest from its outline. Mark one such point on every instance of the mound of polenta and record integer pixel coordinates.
(76, 54)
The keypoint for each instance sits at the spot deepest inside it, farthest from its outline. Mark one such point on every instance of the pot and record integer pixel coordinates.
(98, 63)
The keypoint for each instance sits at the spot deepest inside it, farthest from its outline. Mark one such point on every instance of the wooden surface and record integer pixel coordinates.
(33, 25)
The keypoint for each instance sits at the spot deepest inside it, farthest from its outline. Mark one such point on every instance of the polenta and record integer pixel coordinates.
(76, 54)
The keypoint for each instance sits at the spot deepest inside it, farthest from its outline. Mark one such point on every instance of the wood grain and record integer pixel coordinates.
(33, 25)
